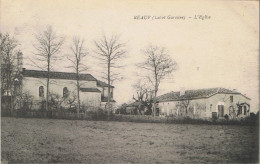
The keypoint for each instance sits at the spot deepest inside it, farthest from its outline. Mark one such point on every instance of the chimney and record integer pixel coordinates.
(182, 91)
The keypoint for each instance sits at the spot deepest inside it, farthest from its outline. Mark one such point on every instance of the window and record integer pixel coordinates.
(41, 91)
(231, 99)
(65, 92)
(111, 94)
(102, 93)
(239, 110)
(244, 110)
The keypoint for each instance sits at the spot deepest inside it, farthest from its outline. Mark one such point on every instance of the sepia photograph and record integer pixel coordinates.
(128, 81)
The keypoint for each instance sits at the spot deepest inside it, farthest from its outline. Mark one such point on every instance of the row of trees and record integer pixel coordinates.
(9, 71)
(108, 50)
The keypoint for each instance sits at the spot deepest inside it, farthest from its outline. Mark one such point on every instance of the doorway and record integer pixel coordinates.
(220, 111)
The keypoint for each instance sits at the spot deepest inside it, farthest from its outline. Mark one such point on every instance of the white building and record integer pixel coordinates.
(205, 103)
(92, 91)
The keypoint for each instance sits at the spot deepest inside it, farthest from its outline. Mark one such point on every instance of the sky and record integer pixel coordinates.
(220, 51)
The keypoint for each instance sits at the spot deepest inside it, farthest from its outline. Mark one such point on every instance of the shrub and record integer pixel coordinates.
(42, 105)
(97, 113)
(121, 110)
(226, 117)
(148, 111)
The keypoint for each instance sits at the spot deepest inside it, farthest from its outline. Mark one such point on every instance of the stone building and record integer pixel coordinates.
(205, 103)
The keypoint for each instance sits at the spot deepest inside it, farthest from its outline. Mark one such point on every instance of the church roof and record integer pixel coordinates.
(57, 75)
(105, 99)
(134, 104)
(103, 84)
(89, 90)
(195, 94)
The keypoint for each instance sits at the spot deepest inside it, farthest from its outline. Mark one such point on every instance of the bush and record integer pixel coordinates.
(121, 110)
(42, 105)
(97, 114)
(226, 117)
(148, 111)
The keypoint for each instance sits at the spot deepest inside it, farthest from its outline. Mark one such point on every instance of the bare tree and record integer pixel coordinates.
(143, 95)
(25, 100)
(47, 47)
(78, 55)
(109, 51)
(158, 65)
(71, 100)
(10, 74)
(185, 104)
(55, 101)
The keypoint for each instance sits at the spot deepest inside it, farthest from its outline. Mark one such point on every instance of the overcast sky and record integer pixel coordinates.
(218, 52)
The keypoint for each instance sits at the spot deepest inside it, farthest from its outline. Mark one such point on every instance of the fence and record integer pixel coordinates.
(101, 115)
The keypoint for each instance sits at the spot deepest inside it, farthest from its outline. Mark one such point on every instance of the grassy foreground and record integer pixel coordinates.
(49, 140)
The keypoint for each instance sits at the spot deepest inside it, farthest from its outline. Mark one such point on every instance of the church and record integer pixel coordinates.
(92, 92)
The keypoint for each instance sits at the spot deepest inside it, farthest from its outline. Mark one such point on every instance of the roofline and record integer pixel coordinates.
(23, 70)
(238, 93)
(111, 86)
(105, 83)
(203, 97)
(112, 101)
(54, 71)
(57, 78)
(183, 99)
(97, 90)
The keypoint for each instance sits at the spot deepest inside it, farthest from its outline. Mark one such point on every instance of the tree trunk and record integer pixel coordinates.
(11, 106)
(47, 96)
(48, 81)
(154, 104)
(78, 87)
(108, 78)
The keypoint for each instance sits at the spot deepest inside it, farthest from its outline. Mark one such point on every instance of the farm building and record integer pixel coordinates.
(63, 84)
(138, 108)
(205, 103)
(132, 108)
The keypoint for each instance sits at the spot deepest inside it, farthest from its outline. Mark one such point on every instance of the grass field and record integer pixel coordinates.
(49, 140)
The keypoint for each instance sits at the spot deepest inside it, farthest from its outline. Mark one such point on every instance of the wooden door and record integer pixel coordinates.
(220, 110)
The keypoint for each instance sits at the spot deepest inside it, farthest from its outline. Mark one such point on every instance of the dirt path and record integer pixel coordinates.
(45, 140)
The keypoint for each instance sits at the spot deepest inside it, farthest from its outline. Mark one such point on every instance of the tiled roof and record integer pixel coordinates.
(103, 84)
(57, 75)
(105, 99)
(134, 104)
(89, 90)
(195, 94)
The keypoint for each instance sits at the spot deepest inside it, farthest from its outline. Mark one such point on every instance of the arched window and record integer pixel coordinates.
(244, 110)
(41, 91)
(65, 92)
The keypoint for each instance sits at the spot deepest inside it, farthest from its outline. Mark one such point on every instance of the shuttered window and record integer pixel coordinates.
(41, 91)
(231, 99)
